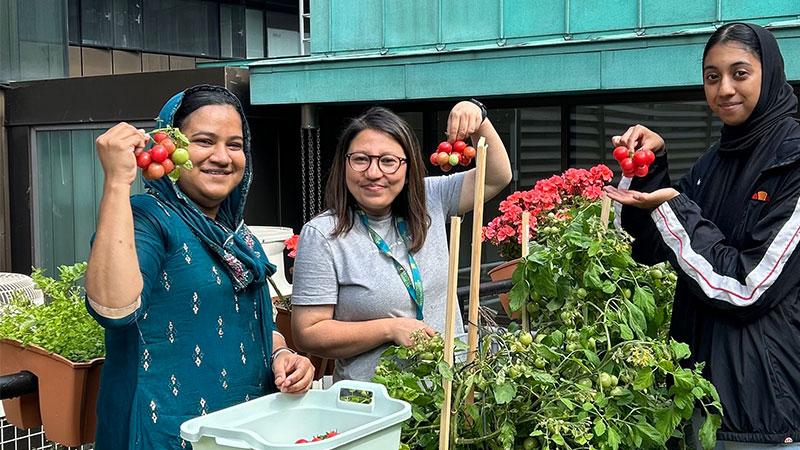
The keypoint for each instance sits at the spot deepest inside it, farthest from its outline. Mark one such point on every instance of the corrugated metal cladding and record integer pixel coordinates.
(365, 50)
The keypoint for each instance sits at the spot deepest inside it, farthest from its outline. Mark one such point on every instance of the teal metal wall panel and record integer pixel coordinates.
(678, 65)
(748, 9)
(320, 26)
(660, 13)
(521, 75)
(410, 22)
(587, 16)
(69, 185)
(313, 86)
(361, 27)
(464, 21)
(790, 48)
(523, 18)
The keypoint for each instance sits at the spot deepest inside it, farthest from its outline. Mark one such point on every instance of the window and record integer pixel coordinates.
(33, 39)
(188, 27)
(255, 33)
(232, 31)
(96, 23)
(128, 24)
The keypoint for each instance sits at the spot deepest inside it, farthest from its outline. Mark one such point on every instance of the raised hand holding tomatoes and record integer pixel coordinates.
(169, 154)
(448, 155)
(634, 163)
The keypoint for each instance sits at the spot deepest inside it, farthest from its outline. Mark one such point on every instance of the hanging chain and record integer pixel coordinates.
(319, 173)
(303, 172)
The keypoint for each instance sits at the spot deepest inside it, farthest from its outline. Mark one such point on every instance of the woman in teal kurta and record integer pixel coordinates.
(199, 335)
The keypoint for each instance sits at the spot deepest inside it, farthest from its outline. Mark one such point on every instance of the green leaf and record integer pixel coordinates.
(554, 339)
(650, 433)
(636, 319)
(679, 349)
(518, 295)
(558, 439)
(625, 332)
(591, 277)
(698, 392)
(504, 393)
(592, 357)
(544, 282)
(609, 287)
(543, 377)
(555, 304)
(570, 406)
(445, 370)
(594, 248)
(613, 438)
(643, 380)
(599, 427)
(507, 433)
(645, 301)
(708, 432)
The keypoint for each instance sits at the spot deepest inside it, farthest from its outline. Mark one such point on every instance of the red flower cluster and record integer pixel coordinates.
(291, 245)
(555, 195)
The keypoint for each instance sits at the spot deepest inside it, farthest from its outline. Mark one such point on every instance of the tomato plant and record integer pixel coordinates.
(600, 373)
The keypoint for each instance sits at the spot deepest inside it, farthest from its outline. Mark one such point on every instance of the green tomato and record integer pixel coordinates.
(591, 343)
(604, 380)
(585, 382)
(614, 380)
(657, 274)
(672, 277)
(530, 443)
(573, 346)
(525, 339)
(540, 363)
(532, 307)
(617, 392)
(180, 156)
(427, 356)
(626, 293)
(565, 316)
(581, 293)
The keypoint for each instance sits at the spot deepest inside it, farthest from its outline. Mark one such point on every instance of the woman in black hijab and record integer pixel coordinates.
(730, 228)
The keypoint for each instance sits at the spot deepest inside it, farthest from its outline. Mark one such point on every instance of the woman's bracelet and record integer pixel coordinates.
(481, 106)
(280, 350)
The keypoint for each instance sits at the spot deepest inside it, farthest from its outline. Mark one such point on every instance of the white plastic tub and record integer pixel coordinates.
(276, 421)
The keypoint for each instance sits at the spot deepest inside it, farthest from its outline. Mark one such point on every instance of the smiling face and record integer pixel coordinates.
(731, 81)
(216, 148)
(372, 189)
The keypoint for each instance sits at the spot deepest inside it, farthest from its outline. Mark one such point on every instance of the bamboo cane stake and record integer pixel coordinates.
(449, 331)
(526, 237)
(475, 262)
(605, 211)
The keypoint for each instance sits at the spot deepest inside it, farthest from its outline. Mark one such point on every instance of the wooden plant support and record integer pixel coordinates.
(449, 331)
(475, 262)
(605, 211)
(526, 237)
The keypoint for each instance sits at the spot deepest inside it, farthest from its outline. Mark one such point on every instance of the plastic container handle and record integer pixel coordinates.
(378, 391)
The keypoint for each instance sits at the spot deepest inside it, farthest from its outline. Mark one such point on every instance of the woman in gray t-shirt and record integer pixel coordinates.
(372, 269)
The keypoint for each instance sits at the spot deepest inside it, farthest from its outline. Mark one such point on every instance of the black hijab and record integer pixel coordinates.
(772, 120)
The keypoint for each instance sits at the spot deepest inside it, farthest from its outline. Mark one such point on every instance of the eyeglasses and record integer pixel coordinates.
(388, 164)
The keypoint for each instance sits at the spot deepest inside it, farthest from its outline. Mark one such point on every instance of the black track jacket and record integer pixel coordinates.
(732, 235)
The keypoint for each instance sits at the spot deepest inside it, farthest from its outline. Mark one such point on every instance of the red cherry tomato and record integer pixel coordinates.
(629, 174)
(435, 158)
(464, 160)
(316, 438)
(444, 158)
(627, 165)
(459, 146)
(331, 434)
(651, 157)
(169, 166)
(158, 153)
(154, 171)
(640, 158)
(445, 147)
(301, 441)
(620, 153)
(469, 151)
(642, 171)
(168, 145)
(446, 167)
(143, 160)
(160, 136)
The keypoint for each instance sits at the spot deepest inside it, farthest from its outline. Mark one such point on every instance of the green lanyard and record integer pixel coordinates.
(414, 287)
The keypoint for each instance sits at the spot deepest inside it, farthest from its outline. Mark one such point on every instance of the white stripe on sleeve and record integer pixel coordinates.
(721, 287)
(624, 183)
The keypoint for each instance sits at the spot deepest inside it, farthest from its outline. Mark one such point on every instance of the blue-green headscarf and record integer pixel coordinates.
(227, 236)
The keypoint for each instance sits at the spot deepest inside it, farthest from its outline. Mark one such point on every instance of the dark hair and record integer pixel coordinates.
(196, 97)
(409, 204)
(735, 32)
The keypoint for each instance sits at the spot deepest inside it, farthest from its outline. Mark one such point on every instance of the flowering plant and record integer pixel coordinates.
(548, 201)
(291, 245)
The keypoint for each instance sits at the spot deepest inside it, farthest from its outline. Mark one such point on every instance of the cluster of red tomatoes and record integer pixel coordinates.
(634, 163)
(448, 155)
(169, 153)
(319, 437)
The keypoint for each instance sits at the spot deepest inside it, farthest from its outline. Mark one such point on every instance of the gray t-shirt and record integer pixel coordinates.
(350, 272)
